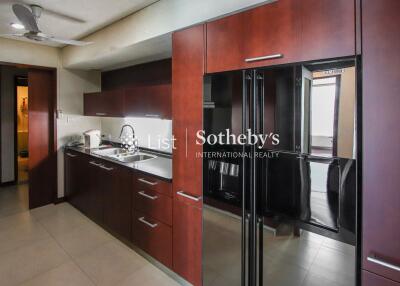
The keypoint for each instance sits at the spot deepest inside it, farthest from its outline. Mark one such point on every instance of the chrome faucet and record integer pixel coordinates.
(130, 142)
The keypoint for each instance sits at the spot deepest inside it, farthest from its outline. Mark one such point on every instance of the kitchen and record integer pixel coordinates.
(132, 202)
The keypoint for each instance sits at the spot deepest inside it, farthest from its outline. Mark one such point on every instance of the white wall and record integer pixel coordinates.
(150, 132)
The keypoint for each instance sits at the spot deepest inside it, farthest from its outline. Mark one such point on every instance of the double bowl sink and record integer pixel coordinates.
(123, 156)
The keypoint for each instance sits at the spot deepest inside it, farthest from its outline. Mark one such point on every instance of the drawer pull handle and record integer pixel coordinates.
(147, 182)
(152, 115)
(143, 194)
(95, 164)
(106, 168)
(101, 113)
(152, 225)
(71, 155)
(269, 57)
(375, 260)
(189, 196)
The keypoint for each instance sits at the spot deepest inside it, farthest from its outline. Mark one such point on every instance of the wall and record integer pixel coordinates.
(72, 123)
(7, 103)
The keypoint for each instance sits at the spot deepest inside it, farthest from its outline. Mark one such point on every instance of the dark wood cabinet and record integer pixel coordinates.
(284, 31)
(381, 164)
(106, 103)
(370, 279)
(148, 101)
(272, 30)
(187, 241)
(92, 190)
(188, 51)
(116, 182)
(73, 178)
(225, 44)
(328, 29)
(153, 236)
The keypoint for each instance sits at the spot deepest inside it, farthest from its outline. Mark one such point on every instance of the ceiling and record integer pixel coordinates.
(81, 17)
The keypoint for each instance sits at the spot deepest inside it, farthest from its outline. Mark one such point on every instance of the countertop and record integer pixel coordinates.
(161, 166)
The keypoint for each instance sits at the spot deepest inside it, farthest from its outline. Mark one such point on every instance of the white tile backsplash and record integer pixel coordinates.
(150, 132)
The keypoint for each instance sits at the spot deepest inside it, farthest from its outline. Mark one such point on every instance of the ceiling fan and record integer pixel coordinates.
(29, 18)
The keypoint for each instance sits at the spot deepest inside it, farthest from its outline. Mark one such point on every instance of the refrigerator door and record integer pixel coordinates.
(225, 182)
(306, 184)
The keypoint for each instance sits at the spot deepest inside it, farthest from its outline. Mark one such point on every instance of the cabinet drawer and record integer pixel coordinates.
(144, 182)
(370, 279)
(154, 205)
(153, 236)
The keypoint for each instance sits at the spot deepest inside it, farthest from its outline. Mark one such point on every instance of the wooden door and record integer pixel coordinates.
(273, 31)
(187, 94)
(187, 241)
(381, 117)
(42, 138)
(117, 188)
(225, 39)
(328, 29)
(370, 279)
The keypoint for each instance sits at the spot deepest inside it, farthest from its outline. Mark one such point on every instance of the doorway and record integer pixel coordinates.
(22, 130)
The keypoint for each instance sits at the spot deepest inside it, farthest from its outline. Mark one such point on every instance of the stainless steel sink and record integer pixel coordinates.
(135, 158)
(124, 156)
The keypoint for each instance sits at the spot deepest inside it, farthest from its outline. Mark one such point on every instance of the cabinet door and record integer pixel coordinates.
(92, 189)
(272, 34)
(381, 102)
(225, 39)
(370, 279)
(187, 110)
(117, 188)
(328, 29)
(187, 241)
(72, 178)
(107, 103)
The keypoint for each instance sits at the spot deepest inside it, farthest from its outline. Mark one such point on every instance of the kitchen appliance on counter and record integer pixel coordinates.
(92, 138)
(274, 204)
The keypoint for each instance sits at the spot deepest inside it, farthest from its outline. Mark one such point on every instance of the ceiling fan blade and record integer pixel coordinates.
(26, 17)
(64, 41)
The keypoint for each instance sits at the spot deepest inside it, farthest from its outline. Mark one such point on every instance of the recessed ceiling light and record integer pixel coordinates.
(17, 26)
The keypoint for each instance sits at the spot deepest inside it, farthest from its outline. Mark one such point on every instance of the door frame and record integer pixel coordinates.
(53, 120)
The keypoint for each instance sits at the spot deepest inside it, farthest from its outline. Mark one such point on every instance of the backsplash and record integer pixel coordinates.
(150, 132)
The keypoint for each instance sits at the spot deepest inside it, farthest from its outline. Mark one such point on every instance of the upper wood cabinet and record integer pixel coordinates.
(139, 101)
(381, 102)
(284, 31)
(106, 103)
(148, 101)
(328, 29)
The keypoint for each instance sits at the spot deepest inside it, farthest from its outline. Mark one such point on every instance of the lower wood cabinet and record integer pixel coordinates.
(370, 279)
(153, 236)
(187, 241)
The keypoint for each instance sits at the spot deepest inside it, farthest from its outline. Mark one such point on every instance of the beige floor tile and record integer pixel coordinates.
(26, 262)
(148, 276)
(22, 218)
(53, 210)
(83, 239)
(110, 263)
(67, 274)
(21, 235)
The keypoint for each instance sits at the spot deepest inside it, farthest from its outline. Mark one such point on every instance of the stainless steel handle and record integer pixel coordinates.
(152, 225)
(101, 113)
(95, 164)
(269, 57)
(152, 115)
(147, 182)
(143, 194)
(380, 262)
(106, 168)
(71, 155)
(183, 194)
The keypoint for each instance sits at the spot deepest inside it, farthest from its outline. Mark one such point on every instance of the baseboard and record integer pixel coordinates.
(7, 184)
(60, 200)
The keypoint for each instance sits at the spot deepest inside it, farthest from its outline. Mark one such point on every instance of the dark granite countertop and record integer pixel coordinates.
(160, 167)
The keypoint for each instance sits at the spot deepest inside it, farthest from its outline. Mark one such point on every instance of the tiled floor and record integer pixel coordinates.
(56, 245)
(308, 260)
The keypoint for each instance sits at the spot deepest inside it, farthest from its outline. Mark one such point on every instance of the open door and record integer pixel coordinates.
(42, 144)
